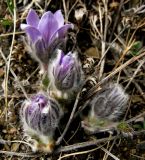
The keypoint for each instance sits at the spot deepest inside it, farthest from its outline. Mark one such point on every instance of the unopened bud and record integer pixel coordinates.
(106, 107)
(40, 116)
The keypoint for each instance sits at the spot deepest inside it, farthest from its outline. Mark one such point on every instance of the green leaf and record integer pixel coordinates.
(6, 22)
(136, 47)
(10, 5)
(124, 127)
(45, 82)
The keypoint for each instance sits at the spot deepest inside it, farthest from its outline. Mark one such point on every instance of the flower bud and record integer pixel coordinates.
(40, 116)
(66, 74)
(106, 107)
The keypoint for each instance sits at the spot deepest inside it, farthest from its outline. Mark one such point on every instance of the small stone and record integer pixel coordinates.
(4, 131)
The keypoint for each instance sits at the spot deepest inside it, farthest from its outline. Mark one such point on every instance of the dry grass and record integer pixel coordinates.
(115, 30)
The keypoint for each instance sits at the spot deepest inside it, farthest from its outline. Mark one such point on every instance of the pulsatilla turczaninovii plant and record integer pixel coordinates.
(45, 34)
(40, 117)
(106, 107)
(66, 73)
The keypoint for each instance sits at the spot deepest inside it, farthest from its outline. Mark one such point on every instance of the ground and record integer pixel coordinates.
(109, 39)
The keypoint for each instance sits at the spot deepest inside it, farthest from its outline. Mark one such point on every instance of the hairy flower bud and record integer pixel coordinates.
(106, 107)
(66, 73)
(45, 34)
(40, 117)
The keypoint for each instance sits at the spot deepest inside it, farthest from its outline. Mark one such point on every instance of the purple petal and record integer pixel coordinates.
(68, 81)
(66, 69)
(35, 118)
(61, 32)
(61, 57)
(41, 52)
(32, 18)
(57, 64)
(47, 26)
(33, 34)
(63, 64)
(67, 59)
(59, 17)
(65, 78)
(24, 26)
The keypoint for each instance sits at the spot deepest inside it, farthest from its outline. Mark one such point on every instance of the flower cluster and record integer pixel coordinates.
(41, 114)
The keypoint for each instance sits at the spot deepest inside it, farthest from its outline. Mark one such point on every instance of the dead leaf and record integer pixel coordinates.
(93, 52)
(79, 14)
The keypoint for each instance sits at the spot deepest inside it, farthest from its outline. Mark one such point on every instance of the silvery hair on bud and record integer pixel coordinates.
(40, 117)
(109, 103)
(66, 76)
(40, 120)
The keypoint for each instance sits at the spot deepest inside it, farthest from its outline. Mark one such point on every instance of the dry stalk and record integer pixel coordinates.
(73, 7)
(74, 133)
(117, 36)
(110, 148)
(27, 8)
(19, 154)
(135, 73)
(10, 34)
(136, 156)
(9, 59)
(47, 2)
(109, 153)
(14, 75)
(81, 145)
(128, 75)
(65, 10)
(103, 35)
(84, 144)
(130, 61)
(69, 121)
(129, 104)
(136, 117)
(116, 19)
(125, 71)
(78, 153)
(128, 47)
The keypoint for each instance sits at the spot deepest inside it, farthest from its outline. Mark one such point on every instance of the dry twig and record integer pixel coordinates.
(130, 61)
(69, 121)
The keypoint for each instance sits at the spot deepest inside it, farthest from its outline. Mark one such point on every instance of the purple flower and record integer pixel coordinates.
(45, 34)
(106, 107)
(40, 117)
(66, 72)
